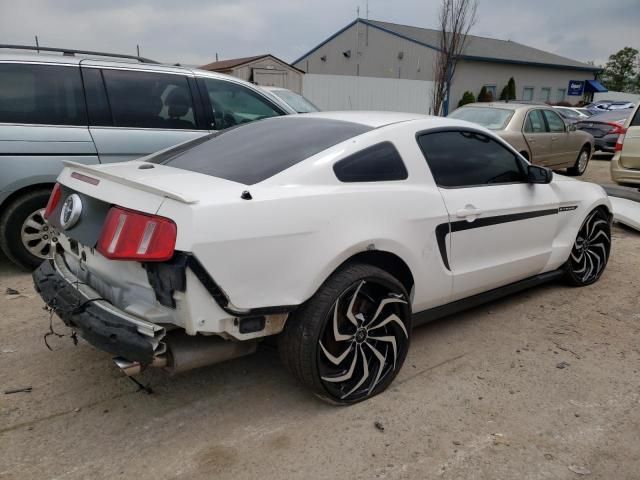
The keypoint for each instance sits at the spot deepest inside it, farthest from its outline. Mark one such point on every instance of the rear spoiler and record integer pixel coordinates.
(98, 172)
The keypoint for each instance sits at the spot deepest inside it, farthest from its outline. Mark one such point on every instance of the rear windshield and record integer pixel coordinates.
(491, 118)
(253, 152)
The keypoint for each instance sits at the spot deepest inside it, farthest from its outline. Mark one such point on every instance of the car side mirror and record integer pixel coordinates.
(536, 174)
(571, 127)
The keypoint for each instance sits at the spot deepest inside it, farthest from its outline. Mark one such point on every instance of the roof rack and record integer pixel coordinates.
(72, 52)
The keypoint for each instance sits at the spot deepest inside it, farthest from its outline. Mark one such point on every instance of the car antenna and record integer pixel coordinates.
(246, 195)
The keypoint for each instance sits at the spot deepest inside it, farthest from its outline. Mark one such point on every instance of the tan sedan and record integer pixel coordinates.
(625, 164)
(536, 131)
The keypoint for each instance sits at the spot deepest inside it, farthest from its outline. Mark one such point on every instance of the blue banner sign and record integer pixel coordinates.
(576, 87)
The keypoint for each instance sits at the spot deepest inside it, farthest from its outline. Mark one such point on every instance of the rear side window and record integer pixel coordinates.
(254, 152)
(535, 122)
(149, 100)
(556, 124)
(233, 104)
(377, 163)
(41, 94)
(467, 158)
(635, 121)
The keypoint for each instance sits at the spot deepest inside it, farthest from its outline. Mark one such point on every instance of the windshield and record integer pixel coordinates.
(296, 101)
(491, 118)
(253, 152)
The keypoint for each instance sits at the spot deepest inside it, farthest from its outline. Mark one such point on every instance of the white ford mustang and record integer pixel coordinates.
(337, 232)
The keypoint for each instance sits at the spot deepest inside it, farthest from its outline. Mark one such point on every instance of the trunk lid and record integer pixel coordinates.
(135, 185)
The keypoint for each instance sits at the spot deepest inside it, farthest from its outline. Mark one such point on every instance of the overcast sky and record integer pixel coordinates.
(192, 31)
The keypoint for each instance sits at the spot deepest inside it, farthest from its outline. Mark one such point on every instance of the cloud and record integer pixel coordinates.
(192, 31)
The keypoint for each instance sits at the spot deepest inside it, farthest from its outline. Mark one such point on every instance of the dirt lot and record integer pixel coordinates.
(481, 396)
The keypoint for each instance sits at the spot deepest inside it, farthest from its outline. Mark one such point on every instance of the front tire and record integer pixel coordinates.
(25, 237)
(590, 252)
(582, 161)
(348, 342)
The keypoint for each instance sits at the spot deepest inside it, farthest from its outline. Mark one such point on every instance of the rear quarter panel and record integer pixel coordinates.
(279, 247)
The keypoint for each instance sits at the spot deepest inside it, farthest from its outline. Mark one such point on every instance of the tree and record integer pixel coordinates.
(485, 95)
(467, 97)
(509, 90)
(621, 71)
(456, 19)
(511, 85)
(504, 94)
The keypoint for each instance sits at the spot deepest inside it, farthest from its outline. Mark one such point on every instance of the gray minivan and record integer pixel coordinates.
(76, 106)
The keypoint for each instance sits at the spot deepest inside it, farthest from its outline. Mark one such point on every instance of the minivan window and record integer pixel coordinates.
(468, 158)
(233, 104)
(97, 102)
(41, 94)
(149, 100)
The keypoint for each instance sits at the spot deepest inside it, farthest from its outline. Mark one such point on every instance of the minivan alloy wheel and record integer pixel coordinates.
(36, 235)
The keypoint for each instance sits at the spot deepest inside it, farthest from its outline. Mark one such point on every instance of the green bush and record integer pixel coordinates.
(485, 95)
(511, 85)
(467, 97)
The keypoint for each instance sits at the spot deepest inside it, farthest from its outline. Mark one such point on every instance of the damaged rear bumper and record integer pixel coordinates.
(95, 319)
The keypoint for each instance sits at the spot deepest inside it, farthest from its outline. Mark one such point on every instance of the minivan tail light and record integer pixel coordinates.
(619, 143)
(131, 235)
(54, 199)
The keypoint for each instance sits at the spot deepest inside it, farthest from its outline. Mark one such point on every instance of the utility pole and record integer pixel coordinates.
(37, 44)
(138, 49)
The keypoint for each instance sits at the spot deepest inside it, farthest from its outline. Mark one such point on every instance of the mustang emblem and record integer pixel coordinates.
(71, 210)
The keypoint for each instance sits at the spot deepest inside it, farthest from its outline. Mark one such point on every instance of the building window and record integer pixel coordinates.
(527, 94)
(545, 94)
(493, 90)
(562, 92)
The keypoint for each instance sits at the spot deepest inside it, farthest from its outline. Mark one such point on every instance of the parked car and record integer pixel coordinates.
(625, 164)
(573, 114)
(337, 232)
(536, 131)
(296, 101)
(607, 105)
(605, 127)
(60, 107)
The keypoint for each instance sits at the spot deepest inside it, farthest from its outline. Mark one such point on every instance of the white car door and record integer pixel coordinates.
(501, 227)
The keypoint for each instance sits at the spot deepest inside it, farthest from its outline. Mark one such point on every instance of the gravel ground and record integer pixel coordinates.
(481, 396)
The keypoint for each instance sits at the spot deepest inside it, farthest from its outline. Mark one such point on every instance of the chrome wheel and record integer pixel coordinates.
(590, 251)
(364, 341)
(36, 235)
(583, 160)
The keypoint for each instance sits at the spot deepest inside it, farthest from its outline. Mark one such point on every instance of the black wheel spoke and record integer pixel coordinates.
(362, 341)
(590, 251)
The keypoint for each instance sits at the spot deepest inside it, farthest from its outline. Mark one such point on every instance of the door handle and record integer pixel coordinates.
(469, 212)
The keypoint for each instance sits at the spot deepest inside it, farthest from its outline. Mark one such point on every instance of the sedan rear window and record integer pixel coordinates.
(491, 118)
(253, 152)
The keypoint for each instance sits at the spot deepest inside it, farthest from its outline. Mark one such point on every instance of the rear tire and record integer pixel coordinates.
(581, 163)
(24, 235)
(348, 342)
(590, 252)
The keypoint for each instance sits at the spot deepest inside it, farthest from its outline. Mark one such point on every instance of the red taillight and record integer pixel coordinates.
(616, 128)
(53, 200)
(620, 142)
(130, 235)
